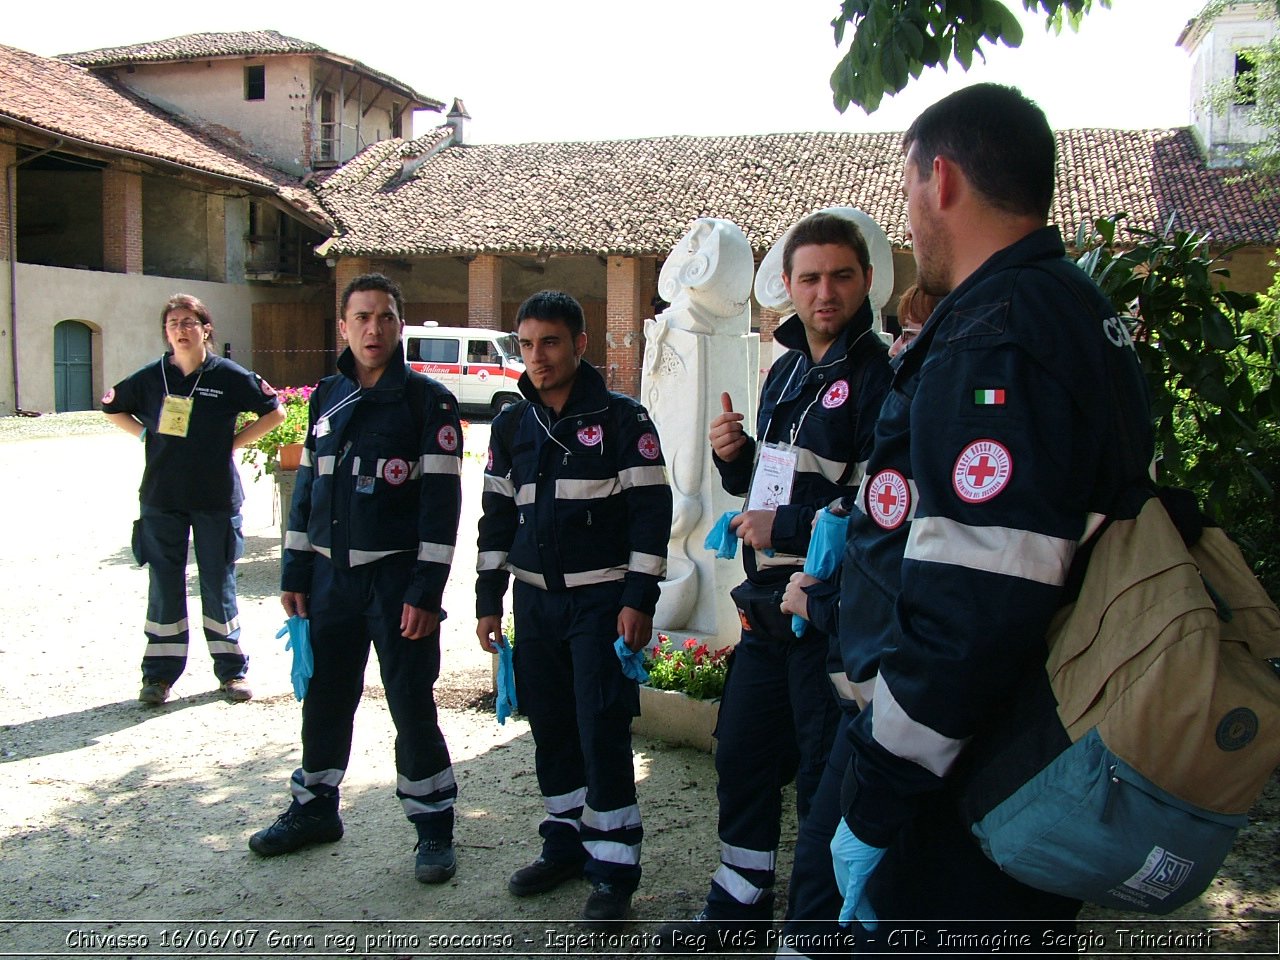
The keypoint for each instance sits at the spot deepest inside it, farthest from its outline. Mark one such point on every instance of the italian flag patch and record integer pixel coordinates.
(988, 398)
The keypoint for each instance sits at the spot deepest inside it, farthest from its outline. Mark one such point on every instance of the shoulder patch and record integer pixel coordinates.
(888, 499)
(447, 438)
(267, 389)
(648, 446)
(981, 471)
(109, 395)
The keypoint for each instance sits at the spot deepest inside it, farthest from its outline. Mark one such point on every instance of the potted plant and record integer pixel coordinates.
(279, 448)
(681, 701)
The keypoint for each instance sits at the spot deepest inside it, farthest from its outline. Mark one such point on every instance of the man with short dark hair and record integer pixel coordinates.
(370, 539)
(778, 714)
(578, 509)
(1000, 447)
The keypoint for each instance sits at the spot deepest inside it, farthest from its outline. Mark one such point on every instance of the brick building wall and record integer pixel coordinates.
(484, 294)
(121, 221)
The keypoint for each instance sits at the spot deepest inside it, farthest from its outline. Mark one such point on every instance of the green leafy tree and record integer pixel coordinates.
(1210, 356)
(894, 40)
(1259, 88)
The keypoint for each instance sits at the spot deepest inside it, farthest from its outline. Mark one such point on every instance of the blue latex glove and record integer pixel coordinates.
(304, 664)
(826, 547)
(507, 704)
(854, 862)
(632, 661)
(721, 539)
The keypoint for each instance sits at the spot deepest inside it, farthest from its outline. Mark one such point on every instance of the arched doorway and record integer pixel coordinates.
(72, 366)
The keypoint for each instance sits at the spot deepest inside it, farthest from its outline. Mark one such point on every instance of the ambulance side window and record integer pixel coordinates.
(429, 350)
(482, 351)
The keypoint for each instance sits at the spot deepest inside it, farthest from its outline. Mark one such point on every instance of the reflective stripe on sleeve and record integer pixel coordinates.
(297, 540)
(491, 560)
(809, 462)
(650, 476)
(435, 552)
(647, 563)
(438, 463)
(502, 486)
(893, 729)
(1004, 550)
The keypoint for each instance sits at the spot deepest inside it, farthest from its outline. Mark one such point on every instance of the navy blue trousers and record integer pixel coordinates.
(349, 611)
(579, 705)
(161, 543)
(777, 720)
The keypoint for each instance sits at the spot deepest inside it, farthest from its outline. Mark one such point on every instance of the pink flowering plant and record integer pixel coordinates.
(264, 453)
(689, 667)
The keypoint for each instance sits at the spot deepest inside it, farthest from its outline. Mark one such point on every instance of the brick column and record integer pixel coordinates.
(216, 237)
(769, 320)
(628, 304)
(347, 269)
(8, 155)
(121, 221)
(484, 292)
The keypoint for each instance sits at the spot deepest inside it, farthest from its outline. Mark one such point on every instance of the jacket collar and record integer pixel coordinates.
(393, 377)
(790, 334)
(588, 392)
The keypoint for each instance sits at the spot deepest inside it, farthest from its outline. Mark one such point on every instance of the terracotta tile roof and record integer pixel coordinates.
(638, 196)
(69, 101)
(244, 43)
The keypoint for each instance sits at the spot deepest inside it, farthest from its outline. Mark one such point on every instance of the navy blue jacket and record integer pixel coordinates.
(381, 479)
(827, 409)
(574, 500)
(1004, 439)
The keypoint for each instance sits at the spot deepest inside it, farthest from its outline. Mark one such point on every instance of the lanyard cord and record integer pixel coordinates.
(164, 376)
(344, 402)
(547, 431)
(795, 429)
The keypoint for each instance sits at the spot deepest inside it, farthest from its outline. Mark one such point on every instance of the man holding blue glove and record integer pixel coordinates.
(370, 539)
(578, 509)
(778, 714)
(997, 445)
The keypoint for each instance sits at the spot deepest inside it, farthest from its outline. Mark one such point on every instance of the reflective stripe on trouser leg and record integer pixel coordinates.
(164, 546)
(319, 786)
(219, 543)
(613, 836)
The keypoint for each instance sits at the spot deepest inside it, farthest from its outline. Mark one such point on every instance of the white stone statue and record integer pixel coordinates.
(696, 349)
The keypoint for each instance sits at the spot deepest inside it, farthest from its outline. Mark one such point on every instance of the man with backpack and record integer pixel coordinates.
(370, 539)
(998, 450)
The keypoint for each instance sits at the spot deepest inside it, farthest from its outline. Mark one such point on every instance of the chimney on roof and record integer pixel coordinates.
(457, 118)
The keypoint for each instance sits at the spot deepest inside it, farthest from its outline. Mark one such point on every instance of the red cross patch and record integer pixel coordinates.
(836, 394)
(267, 388)
(488, 467)
(982, 470)
(447, 438)
(483, 375)
(591, 436)
(888, 499)
(395, 471)
(109, 395)
(648, 446)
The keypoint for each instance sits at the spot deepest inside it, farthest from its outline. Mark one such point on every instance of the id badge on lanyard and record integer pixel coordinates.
(773, 478)
(175, 416)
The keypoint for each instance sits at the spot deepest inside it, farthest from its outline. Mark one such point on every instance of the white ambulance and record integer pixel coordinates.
(479, 366)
